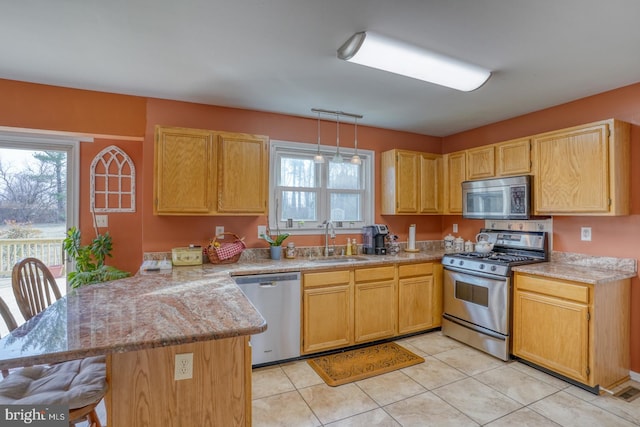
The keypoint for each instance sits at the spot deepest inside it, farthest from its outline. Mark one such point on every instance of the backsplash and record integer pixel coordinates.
(253, 254)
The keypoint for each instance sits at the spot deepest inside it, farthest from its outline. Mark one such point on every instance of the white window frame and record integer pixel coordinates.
(315, 227)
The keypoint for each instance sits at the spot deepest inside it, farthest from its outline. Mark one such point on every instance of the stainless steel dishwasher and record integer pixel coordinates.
(277, 298)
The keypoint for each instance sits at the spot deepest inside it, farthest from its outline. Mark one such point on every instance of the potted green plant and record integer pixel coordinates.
(275, 244)
(89, 259)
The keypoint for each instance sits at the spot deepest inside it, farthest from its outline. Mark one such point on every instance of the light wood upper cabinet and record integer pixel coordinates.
(455, 174)
(411, 183)
(583, 170)
(576, 329)
(513, 157)
(203, 172)
(183, 170)
(431, 183)
(481, 162)
(242, 173)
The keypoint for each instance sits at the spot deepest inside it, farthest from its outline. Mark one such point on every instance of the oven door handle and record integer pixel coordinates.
(476, 273)
(475, 328)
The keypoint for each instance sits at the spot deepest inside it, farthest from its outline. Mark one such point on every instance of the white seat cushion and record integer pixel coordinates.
(76, 383)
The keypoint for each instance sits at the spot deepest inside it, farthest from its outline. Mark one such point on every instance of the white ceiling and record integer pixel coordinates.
(280, 55)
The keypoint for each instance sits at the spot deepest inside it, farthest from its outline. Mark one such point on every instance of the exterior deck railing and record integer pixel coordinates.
(48, 251)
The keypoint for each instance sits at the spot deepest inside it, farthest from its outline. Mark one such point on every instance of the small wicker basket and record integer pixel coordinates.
(225, 253)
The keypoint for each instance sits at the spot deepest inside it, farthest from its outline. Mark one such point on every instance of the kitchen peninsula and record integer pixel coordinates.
(141, 323)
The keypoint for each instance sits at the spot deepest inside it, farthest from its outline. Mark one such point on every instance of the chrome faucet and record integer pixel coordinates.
(328, 251)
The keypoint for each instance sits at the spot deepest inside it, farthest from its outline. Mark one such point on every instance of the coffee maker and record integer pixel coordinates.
(373, 237)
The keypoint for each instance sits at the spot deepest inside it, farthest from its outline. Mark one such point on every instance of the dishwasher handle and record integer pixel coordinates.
(268, 284)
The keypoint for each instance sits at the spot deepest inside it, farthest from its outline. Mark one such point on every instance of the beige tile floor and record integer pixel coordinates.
(456, 386)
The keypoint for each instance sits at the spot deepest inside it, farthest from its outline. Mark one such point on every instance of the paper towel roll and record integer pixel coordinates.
(412, 237)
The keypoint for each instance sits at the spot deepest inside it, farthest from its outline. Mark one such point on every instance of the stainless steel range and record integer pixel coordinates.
(477, 289)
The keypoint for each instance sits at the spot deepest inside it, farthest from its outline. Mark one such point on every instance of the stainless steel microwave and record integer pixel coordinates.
(497, 198)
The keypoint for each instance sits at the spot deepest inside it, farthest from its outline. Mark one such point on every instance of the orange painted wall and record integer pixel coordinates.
(615, 237)
(36, 106)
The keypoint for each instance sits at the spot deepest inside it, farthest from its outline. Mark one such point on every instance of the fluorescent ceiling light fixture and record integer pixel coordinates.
(381, 52)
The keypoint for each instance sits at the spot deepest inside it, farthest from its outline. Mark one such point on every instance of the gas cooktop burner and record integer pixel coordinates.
(494, 256)
(510, 248)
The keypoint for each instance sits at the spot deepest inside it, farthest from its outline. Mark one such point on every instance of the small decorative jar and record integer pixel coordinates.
(448, 243)
(290, 252)
(458, 244)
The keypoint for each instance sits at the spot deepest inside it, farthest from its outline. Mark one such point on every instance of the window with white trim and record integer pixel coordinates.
(304, 194)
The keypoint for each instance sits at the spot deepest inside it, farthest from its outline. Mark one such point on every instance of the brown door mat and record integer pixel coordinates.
(629, 393)
(353, 365)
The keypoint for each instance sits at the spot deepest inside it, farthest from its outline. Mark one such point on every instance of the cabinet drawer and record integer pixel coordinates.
(339, 277)
(553, 287)
(375, 273)
(422, 269)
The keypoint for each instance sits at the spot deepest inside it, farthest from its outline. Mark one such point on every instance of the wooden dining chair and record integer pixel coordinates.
(34, 287)
(81, 384)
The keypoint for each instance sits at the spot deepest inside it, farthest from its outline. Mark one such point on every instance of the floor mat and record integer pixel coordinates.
(353, 365)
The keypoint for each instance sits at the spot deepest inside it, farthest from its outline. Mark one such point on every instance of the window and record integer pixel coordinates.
(304, 194)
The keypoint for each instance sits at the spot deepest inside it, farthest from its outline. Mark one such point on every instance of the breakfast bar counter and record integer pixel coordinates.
(141, 323)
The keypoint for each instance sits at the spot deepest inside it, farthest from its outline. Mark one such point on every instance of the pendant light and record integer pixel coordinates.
(318, 157)
(337, 158)
(355, 159)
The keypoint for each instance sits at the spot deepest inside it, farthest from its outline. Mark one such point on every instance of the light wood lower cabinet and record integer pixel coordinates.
(375, 303)
(327, 310)
(341, 308)
(143, 392)
(419, 297)
(576, 329)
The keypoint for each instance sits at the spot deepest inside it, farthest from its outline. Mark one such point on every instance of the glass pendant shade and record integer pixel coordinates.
(355, 159)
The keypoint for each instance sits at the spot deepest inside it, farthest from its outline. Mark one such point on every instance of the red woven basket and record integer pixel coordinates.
(226, 253)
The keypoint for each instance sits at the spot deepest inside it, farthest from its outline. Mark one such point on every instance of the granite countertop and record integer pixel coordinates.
(583, 268)
(155, 309)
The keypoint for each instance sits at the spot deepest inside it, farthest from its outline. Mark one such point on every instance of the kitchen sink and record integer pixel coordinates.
(334, 259)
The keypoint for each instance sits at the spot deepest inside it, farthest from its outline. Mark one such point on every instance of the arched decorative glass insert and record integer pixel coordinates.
(113, 181)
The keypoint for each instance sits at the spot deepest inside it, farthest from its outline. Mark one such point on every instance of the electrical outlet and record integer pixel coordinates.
(455, 228)
(184, 366)
(585, 234)
(262, 229)
(219, 232)
(102, 221)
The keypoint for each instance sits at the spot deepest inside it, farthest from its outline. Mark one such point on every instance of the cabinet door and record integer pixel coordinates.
(455, 174)
(415, 304)
(513, 158)
(407, 182)
(375, 313)
(431, 185)
(328, 318)
(242, 173)
(553, 333)
(183, 171)
(327, 307)
(572, 171)
(481, 162)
